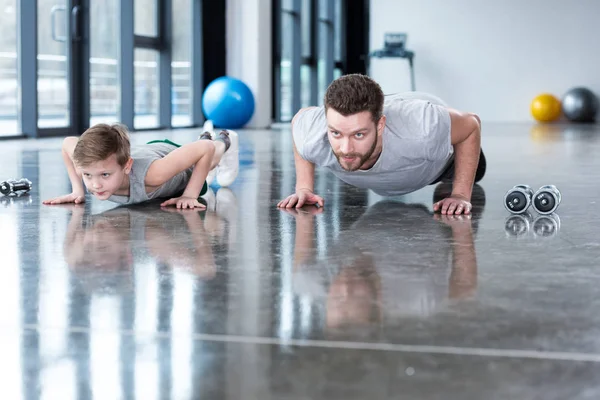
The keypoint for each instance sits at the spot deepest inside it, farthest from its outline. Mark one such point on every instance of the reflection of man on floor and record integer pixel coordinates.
(397, 260)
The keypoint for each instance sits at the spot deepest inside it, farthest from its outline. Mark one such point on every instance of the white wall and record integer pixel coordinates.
(490, 57)
(249, 53)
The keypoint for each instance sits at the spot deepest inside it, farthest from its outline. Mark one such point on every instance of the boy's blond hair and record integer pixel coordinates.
(101, 141)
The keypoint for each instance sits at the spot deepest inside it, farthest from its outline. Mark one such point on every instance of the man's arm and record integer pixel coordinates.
(198, 154)
(305, 170)
(466, 139)
(305, 178)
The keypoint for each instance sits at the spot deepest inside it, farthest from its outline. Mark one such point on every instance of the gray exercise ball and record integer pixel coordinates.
(580, 105)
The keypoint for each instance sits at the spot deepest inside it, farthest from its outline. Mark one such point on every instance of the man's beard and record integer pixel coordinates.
(362, 157)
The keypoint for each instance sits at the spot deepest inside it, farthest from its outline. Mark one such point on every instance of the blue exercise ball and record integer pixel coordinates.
(228, 102)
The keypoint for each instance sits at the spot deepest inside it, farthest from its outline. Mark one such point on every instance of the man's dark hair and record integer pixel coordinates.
(354, 93)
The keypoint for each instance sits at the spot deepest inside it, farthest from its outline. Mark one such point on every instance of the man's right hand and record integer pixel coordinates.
(69, 198)
(301, 198)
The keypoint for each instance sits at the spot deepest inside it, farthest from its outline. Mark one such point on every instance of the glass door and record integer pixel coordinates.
(8, 68)
(61, 92)
(53, 69)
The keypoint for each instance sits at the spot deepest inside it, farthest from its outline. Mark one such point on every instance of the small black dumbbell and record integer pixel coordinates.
(547, 199)
(12, 186)
(518, 199)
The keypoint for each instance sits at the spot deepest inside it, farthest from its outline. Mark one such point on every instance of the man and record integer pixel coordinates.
(392, 145)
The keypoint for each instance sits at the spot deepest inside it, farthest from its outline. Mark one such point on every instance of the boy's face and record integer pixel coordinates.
(104, 178)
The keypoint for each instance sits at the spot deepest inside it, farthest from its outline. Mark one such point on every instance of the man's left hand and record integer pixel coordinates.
(455, 204)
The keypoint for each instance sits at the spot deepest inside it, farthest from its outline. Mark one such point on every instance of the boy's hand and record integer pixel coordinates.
(300, 198)
(68, 198)
(183, 202)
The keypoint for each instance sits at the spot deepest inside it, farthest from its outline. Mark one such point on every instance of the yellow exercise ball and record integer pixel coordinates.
(545, 108)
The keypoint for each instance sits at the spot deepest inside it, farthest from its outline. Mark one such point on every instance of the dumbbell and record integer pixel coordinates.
(518, 199)
(12, 186)
(546, 200)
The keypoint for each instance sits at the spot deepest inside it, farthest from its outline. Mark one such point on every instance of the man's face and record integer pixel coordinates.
(104, 178)
(353, 138)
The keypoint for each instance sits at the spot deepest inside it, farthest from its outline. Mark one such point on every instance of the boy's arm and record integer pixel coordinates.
(67, 151)
(78, 190)
(198, 154)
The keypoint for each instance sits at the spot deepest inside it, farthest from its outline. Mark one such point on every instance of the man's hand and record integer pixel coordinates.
(455, 204)
(300, 198)
(76, 198)
(183, 202)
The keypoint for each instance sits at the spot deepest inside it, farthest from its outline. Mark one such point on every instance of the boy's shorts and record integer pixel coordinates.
(204, 186)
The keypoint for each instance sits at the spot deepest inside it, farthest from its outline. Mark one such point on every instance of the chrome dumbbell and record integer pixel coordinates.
(518, 199)
(12, 186)
(546, 200)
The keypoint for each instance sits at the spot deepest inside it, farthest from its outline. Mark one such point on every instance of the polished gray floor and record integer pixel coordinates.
(368, 298)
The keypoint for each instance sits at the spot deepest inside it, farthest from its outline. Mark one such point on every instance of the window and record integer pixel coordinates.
(146, 88)
(8, 67)
(53, 64)
(304, 68)
(104, 54)
(146, 18)
(181, 64)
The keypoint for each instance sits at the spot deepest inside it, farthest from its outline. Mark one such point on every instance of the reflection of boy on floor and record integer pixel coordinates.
(113, 170)
(109, 243)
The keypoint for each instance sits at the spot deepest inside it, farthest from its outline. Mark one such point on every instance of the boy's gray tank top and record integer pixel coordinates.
(143, 156)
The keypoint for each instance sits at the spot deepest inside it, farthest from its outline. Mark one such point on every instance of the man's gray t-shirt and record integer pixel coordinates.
(143, 156)
(416, 144)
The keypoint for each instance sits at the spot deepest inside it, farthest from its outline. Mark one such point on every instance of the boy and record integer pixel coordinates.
(112, 170)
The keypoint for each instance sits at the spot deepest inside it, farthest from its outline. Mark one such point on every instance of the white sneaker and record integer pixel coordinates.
(230, 162)
(210, 128)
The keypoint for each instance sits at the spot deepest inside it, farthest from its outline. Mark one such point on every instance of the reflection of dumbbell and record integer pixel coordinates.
(12, 186)
(546, 199)
(518, 225)
(518, 199)
(546, 225)
(18, 200)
